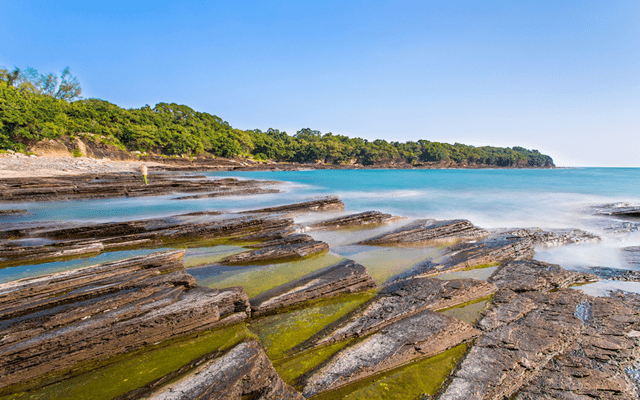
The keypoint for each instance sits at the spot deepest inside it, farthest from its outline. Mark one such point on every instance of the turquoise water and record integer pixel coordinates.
(557, 198)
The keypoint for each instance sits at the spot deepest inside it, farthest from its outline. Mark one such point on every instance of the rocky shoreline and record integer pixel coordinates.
(538, 336)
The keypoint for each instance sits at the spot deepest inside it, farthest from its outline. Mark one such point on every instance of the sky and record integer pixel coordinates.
(562, 77)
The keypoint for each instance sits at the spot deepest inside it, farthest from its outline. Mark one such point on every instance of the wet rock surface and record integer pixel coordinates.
(277, 250)
(529, 275)
(12, 212)
(331, 203)
(421, 335)
(344, 277)
(365, 218)
(494, 249)
(618, 209)
(553, 237)
(94, 186)
(550, 344)
(429, 230)
(403, 299)
(244, 372)
(51, 322)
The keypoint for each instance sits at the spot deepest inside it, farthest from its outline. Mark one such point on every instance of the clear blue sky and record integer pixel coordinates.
(559, 76)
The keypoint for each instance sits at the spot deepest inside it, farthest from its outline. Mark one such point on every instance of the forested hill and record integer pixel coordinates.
(28, 115)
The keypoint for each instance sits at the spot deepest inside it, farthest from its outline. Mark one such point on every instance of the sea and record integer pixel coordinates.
(560, 198)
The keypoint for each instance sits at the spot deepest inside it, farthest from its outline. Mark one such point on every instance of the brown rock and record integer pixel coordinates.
(430, 230)
(365, 218)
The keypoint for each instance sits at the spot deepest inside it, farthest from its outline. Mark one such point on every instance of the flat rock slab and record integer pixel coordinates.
(344, 277)
(330, 203)
(430, 230)
(403, 299)
(277, 252)
(561, 344)
(496, 248)
(233, 192)
(52, 322)
(244, 372)
(619, 209)
(93, 186)
(421, 335)
(554, 237)
(529, 275)
(361, 219)
(12, 212)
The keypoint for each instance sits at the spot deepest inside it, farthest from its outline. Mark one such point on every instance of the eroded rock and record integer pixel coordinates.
(365, 218)
(330, 203)
(529, 275)
(344, 277)
(244, 372)
(553, 237)
(51, 322)
(421, 335)
(430, 230)
(403, 299)
(277, 251)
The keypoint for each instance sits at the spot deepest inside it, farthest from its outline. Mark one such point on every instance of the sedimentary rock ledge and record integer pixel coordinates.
(51, 322)
(403, 299)
(92, 186)
(330, 203)
(430, 230)
(529, 275)
(277, 250)
(619, 209)
(244, 371)
(365, 218)
(344, 277)
(421, 335)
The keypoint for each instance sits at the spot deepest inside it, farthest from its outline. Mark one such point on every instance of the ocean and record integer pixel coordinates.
(490, 198)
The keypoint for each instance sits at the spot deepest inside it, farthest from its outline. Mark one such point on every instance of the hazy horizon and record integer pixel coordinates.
(559, 77)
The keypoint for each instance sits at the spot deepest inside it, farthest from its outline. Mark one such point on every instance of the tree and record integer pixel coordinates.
(30, 79)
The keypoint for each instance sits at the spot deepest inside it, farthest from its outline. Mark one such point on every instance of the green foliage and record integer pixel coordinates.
(34, 107)
(77, 153)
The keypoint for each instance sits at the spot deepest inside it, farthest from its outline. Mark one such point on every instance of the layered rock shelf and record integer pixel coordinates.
(619, 210)
(330, 203)
(421, 335)
(278, 250)
(344, 277)
(354, 220)
(401, 300)
(90, 186)
(244, 372)
(430, 230)
(52, 322)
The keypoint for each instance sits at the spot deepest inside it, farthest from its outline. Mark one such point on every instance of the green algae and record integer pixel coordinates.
(282, 332)
(292, 368)
(410, 381)
(197, 256)
(385, 262)
(257, 279)
(123, 373)
(470, 311)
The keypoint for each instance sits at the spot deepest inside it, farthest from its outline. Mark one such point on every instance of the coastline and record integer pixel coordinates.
(21, 166)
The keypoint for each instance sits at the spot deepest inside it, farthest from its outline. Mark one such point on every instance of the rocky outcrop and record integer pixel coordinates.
(430, 230)
(93, 186)
(553, 237)
(550, 344)
(330, 203)
(244, 372)
(618, 209)
(12, 212)
(344, 277)
(51, 322)
(276, 251)
(421, 335)
(529, 275)
(233, 192)
(95, 238)
(361, 219)
(401, 300)
(496, 248)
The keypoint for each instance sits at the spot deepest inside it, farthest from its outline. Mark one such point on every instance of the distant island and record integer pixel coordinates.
(34, 109)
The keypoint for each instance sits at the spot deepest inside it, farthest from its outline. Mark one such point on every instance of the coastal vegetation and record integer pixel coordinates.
(35, 107)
